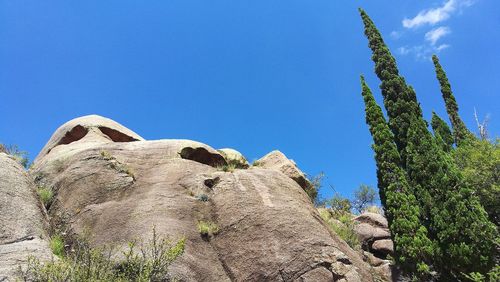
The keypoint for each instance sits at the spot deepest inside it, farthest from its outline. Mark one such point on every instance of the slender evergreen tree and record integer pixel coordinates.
(413, 249)
(442, 133)
(449, 210)
(399, 98)
(460, 131)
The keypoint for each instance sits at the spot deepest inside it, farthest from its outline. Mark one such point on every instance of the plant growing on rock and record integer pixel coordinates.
(341, 223)
(149, 262)
(57, 245)
(46, 195)
(16, 153)
(207, 228)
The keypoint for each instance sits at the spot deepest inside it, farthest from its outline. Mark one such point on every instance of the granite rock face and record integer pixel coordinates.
(375, 237)
(109, 181)
(22, 223)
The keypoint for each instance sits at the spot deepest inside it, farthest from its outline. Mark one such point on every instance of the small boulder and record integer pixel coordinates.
(385, 246)
(373, 219)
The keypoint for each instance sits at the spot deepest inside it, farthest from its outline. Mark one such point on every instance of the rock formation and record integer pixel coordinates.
(375, 237)
(109, 181)
(22, 224)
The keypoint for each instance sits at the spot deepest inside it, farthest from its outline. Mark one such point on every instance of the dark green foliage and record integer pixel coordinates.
(453, 214)
(460, 131)
(442, 133)
(462, 236)
(413, 249)
(363, 196)
(399, 98)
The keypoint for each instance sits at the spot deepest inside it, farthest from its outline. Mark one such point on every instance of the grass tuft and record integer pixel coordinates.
(46, 195)
(57, 245)
(208, 228)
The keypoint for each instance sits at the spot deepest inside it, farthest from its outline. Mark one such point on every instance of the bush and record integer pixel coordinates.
(207, 228)
(230, 167)
(57, 245)
(343, 225)
(45, 195)
(363, 197)
(313, 187)
(149, 263)
(14, 151)
(339, 204)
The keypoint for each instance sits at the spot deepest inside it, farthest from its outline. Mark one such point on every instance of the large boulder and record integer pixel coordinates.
(118, 190)
(276, 160)
(22, 223)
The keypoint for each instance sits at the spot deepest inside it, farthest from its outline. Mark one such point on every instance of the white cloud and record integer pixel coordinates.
(442, 47)
(436, 15)
(435, 34)
(422, 52)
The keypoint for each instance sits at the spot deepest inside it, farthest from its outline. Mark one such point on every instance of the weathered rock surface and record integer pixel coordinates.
(276, 160)
(118, 186)
(373, 232)
(22, 230)
(384, 246)
(372, 227)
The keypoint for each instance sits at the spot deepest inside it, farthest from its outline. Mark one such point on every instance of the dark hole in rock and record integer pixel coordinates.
(379, 254)
(203, 156)
(116, 135)
(75, 134)
(211, 182)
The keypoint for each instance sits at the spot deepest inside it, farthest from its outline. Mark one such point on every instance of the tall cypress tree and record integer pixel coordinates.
(442, 133)
(413, 249)
(460, 131)
(398, 96)
(449, 210)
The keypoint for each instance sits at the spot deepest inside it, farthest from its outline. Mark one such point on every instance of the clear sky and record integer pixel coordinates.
(252, 75)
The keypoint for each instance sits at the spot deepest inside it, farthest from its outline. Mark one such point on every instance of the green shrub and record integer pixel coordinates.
(230, 167)
(313, 187)
(207, 228)
(16, 153)
(57, 245)
(149, 263)
(257, 163)
(343, 225)
(46, 195)
(363, 197)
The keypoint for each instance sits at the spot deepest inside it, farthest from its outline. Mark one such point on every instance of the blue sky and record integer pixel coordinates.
(251, 75)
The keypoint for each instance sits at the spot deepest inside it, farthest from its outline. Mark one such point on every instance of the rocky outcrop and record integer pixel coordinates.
(375, 237)
(113, 183)
(276, 160)
(22, 224)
